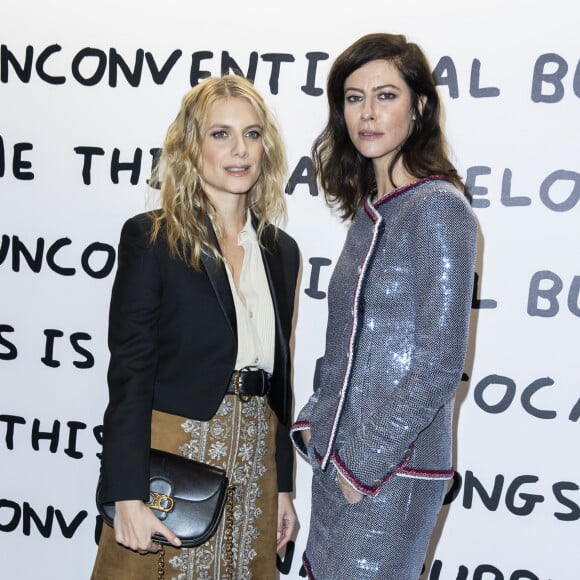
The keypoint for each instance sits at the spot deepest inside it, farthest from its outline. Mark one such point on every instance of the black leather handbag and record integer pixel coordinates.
(189, 497)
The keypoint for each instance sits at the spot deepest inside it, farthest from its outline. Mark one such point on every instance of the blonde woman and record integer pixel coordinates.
(205, 287)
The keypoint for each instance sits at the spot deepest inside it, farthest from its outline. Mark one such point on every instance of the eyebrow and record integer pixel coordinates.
(226, 126)
(374, 89)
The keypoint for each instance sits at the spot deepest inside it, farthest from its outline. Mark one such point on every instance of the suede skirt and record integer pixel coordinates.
(241, 439)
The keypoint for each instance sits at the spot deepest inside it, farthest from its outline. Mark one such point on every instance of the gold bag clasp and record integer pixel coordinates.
(160, 501)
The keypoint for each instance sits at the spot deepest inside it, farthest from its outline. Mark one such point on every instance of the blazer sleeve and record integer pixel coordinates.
(133, 322)
(443, 240)
(284, 451)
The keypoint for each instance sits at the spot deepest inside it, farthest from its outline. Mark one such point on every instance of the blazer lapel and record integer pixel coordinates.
(219, 280)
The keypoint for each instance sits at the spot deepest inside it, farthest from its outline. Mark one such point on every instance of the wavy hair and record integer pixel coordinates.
(344, 174)
(184, 205)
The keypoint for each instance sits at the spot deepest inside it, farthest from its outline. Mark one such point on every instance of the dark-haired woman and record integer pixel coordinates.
(378, 428)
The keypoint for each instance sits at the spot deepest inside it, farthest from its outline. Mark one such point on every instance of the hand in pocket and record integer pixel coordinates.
(350, 494)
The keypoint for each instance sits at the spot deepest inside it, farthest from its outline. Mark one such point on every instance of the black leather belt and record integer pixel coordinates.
(249, 382)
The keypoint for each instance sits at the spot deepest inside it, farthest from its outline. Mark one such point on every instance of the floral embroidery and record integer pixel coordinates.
(234, 439)
(246, 451)
(217, 450)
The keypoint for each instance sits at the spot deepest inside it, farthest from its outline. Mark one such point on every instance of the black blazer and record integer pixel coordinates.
(173, 344)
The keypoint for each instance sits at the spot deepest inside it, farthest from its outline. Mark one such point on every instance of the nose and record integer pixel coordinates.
(367, 113)
(240, 148)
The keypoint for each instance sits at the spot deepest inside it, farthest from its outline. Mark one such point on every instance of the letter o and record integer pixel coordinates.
(11, 525)
(99, 71)
(506, 400)
(106, 269)
(573, 197)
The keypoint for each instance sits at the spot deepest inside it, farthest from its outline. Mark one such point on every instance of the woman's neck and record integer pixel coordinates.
(400, 178)
(231, 214)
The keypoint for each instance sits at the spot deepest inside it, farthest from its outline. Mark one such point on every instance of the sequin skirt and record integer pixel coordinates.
(379, 538)
(240, 438)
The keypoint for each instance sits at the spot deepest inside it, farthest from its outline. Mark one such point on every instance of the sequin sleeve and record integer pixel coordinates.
(303, 420)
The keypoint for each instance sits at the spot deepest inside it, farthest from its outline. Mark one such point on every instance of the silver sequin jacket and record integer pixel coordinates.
(399, 306)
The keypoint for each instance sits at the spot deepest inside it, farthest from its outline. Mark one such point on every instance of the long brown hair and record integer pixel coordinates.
(345, 175)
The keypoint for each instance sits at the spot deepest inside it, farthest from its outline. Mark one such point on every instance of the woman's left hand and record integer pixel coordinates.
(287, 520)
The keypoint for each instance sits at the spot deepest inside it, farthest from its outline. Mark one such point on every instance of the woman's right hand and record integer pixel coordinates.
(134, 525)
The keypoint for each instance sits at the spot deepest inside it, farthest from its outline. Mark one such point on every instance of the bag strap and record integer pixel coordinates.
(229, 532)
(229, 540)
(161, 563)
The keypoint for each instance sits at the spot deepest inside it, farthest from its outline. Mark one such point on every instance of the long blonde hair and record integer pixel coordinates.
(184, 204)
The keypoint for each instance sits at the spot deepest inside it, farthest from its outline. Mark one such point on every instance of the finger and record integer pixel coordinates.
(168, 535)
(284, 539)
(283, 534)
(291, 526)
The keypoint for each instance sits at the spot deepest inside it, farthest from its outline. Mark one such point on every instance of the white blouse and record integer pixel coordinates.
(254, 307)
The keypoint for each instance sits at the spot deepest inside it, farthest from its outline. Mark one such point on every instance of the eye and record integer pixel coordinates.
(352, 98)
(254, 134)
(386, 96)
(220, 134)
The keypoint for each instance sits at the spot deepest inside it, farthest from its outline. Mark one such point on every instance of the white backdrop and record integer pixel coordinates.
(76, 130)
